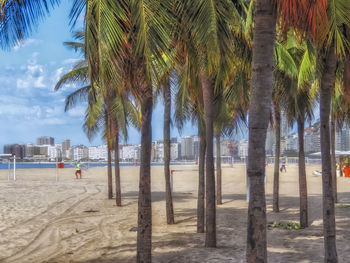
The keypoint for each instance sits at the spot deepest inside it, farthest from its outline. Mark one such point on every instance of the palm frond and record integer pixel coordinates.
(80, 95)
(78, 75)
(19, 18)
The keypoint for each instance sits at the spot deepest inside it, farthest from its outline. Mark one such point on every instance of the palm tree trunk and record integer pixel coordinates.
(210, 215)
(144, 230)
(201, 184)
(218, 171)
(302, 176)
(276, 172)
(109, 172)
(259, 111)
(168, 196)
(109, 158)
(334, 161)
(118, 193)
(327, 85)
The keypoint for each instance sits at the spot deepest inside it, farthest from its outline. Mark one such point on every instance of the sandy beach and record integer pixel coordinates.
(42, 220)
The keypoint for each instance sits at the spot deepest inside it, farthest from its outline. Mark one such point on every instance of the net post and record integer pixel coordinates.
(9, 169)
(14, 167)
(56, 169)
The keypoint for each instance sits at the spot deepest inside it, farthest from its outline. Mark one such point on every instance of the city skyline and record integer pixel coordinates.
(187, 148)
(30, 107)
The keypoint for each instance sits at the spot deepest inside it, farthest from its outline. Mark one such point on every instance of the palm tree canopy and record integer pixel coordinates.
(19, 18)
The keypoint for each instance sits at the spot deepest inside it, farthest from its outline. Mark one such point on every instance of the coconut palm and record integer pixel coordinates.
(300, 109)
(230, 116)
(308, 18)
(19, 18)
(339, 15)
(105, 32)
(97, 116)
(259, 111)
(293, 92)
(285, 67)
(151, 22)
(189, 106)
(339, 115)
(210, 26)
(126, 40)
(167, 145)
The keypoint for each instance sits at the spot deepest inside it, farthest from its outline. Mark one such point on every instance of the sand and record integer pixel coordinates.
(42, 220)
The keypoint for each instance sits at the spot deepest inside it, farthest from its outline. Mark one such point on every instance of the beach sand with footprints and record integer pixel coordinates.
(42, 220)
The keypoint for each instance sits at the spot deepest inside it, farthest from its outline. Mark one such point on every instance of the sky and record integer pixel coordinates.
(29, 106)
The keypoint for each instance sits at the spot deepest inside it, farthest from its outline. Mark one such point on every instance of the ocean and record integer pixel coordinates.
(36, 165)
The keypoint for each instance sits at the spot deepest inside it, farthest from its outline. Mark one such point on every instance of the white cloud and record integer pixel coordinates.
(77, 111)
(34, 75)
(8, 99)
(26, 42)
(53, 121)
(22, 111)
(39, 82)
(70, 61)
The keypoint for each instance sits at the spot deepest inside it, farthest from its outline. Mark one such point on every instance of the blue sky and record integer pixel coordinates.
(29, 107)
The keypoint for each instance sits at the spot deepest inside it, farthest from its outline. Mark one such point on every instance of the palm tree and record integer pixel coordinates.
(167, 145)
(19, 18)
(230, 116)
(339, 15)
(189, 106)
(285, 67)
(209, 26)
(151, 23)
(259, 111)
(297, 99)
(111, 119)
(308, 18)
(339, 115)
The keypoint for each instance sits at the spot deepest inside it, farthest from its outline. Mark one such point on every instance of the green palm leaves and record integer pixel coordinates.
(18, 18)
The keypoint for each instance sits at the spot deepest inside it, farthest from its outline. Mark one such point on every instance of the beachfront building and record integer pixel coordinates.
(129, 153)
(157, 151)
(15, 149)
(196, 141)
(54, 152)
(65, 148)
(174, 151)
(284, 125)
(292, 142)
(270, 141)
(226, 147)
(29, 150)
(243, 148)
(98, 153)
(80, 152)
(187, 148)
(342, 138)
(45, 140)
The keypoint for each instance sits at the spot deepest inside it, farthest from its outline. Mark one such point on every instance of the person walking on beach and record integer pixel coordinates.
(77, 170)
(283, 165)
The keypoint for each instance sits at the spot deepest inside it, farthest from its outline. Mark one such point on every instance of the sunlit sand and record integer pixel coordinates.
(72, 221)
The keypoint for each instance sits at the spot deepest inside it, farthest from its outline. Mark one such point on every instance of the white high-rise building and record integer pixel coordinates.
(292, 142)
(226, 147)
(270, 141)
(80, 152)
(243, 148)
(98, 152)
(129, 152)
(54, 152)
(187, 148)
(174, 151)
(284, 125)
